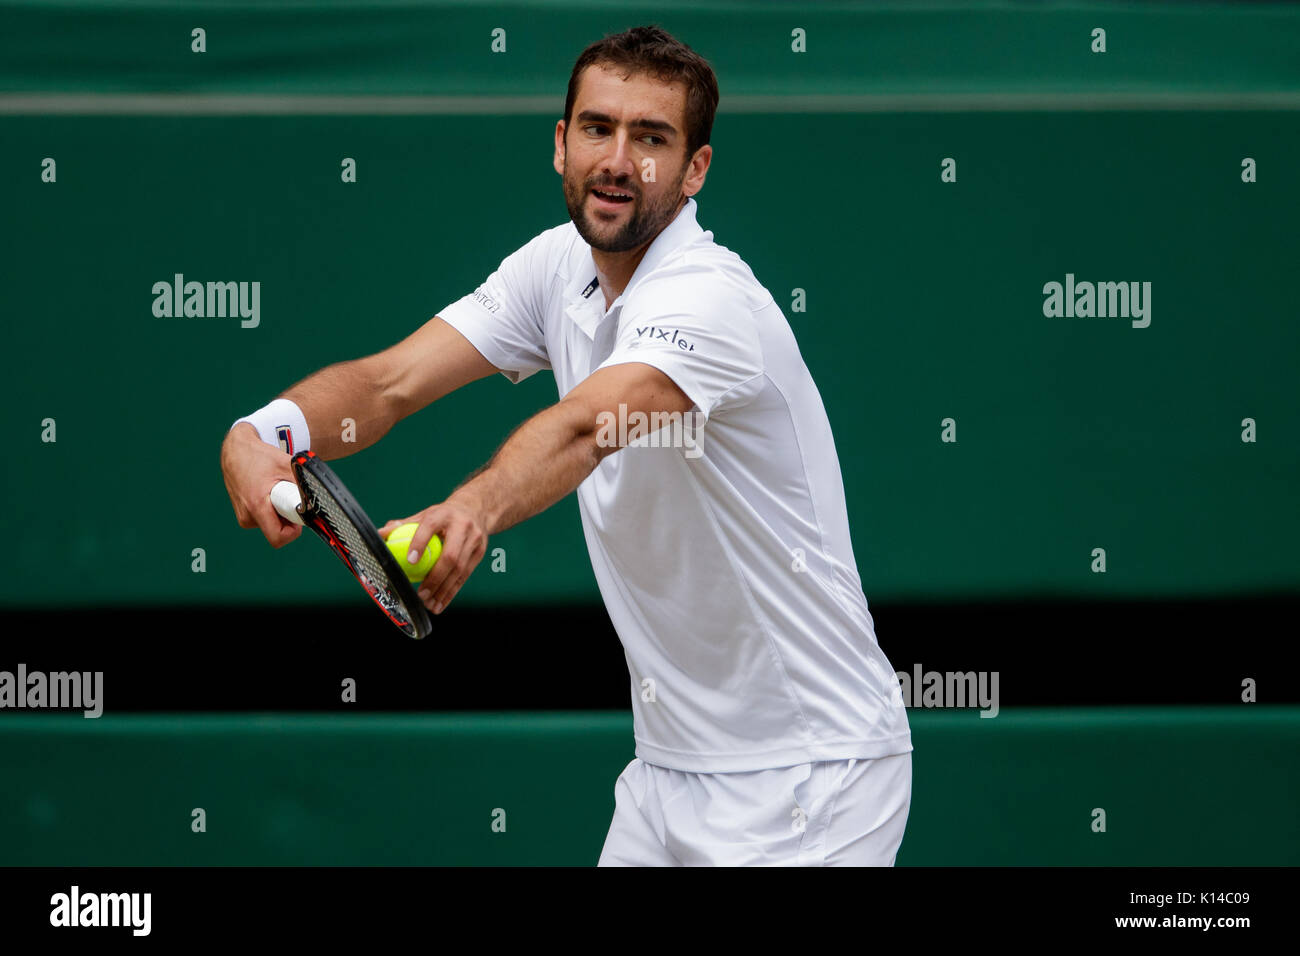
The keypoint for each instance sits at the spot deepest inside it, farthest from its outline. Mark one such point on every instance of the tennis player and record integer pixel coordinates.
(768, 724)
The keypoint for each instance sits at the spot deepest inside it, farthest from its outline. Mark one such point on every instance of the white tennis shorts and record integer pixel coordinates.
(831, 813)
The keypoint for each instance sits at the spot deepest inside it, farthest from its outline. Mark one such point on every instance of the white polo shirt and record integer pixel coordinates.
(725, 563)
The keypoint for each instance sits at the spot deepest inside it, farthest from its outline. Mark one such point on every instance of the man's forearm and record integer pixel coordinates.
(345, 406)
(542, 461)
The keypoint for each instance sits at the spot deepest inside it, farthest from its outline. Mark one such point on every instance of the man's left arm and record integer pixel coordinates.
(543, 460)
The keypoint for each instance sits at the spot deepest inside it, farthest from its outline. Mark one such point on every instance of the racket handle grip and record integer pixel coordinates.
(286, 498)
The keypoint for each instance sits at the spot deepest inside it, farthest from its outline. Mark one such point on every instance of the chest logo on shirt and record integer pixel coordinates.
(673, 338)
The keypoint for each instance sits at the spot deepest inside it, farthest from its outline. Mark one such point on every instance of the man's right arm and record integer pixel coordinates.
(376, 392)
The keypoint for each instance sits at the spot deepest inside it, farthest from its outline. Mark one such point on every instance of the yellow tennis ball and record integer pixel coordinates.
(399, 543)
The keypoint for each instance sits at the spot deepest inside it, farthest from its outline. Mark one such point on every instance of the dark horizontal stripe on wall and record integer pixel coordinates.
(1044, 653)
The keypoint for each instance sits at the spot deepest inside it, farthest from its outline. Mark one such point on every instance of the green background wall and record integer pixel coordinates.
(1180, 787)
(924, 299)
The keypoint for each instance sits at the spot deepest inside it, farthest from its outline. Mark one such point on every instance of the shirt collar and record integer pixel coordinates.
(586, 303)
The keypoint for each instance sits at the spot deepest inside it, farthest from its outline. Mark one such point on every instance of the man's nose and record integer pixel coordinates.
(618, 158)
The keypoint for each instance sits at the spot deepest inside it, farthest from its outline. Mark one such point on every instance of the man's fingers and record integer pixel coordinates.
(442, 598)
(451, 587)
(275, 529)
(448, 563)
(431, 523)
(462, 550)
(463, 544)
(268, 522)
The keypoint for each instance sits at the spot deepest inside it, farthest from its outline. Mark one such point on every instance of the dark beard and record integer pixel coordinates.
(641, 226)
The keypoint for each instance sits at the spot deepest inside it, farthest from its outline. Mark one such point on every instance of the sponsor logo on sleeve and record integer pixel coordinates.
(655, 334)
(482, 297)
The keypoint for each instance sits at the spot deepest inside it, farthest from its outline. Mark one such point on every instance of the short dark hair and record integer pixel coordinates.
(652, 51)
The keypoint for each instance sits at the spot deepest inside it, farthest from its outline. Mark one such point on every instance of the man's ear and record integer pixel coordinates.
(693, 182)
(558, 160)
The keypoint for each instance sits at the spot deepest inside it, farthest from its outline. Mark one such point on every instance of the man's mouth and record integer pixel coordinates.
(613, 197)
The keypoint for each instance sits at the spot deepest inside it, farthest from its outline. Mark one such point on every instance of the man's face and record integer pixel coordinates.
(628, 136)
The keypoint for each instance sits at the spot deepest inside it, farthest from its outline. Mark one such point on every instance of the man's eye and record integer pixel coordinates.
(659, 140)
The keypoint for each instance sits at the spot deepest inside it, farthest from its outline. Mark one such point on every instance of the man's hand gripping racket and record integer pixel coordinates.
(320, 501)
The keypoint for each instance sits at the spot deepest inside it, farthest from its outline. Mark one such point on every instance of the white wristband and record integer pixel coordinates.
(282, 424)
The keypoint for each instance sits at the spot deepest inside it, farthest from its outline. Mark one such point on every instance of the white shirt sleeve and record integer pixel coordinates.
(698, 331)
(503, 317)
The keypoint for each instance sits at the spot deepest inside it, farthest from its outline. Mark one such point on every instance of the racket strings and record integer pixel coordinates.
(364, 563)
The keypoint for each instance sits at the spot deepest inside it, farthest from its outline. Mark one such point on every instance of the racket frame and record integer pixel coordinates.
(308, 462)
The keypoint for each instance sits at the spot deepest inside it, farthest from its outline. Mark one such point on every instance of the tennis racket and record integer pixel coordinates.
(321, 502)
